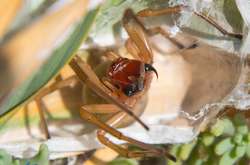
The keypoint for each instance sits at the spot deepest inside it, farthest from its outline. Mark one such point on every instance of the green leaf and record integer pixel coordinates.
(229, 128)
(224, 146)
(57, 60)
(242, 129)
(123, 161)
(16, 162)
(207, 139)
(238, 138)
(239, 151)
(220, 13)
(232, 156)
(5, 158)
(175, 150)
(41, 158)
(248, 151)
(186, 149)
(112, 12)
(233, 15)
(218, 128)
(248, 137)
(170, 162)
(227, 159)
(196, 161)
(239, 120)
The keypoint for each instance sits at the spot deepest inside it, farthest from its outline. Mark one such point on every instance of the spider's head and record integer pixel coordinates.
(130, 75)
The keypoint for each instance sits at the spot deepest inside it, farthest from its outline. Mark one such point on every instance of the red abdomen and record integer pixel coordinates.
(124, 72)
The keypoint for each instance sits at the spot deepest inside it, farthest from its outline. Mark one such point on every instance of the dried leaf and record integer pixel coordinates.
(8, 11)
(50, 51)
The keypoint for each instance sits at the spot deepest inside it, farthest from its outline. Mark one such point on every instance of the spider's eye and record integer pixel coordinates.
(130, 90)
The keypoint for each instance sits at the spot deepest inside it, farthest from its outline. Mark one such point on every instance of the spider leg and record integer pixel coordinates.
(107, 82)
(135, 52)
(132, 49)
(166, 34)
(157, 12)
(42, 118)
(111, 55)
(88, 77)
(137, 34)
(138, 44)
(57, 85)
(101, 108)
(108, 128)
(119, 92)
(45, 91)
(109, 85)
(218, 27)
(178, 9)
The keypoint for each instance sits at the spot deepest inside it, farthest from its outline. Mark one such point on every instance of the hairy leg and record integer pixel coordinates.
(149, 150)
(178, 9)
(138, 36)
(45, 91)
(101, 108)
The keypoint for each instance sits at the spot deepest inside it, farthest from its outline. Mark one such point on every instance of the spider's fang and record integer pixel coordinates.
(149, 67)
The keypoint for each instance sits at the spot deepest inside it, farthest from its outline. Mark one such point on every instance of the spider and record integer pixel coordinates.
(125, 82)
